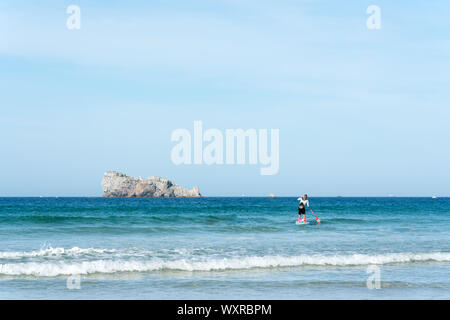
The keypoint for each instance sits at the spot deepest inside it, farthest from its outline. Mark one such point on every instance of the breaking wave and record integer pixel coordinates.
(145, 263)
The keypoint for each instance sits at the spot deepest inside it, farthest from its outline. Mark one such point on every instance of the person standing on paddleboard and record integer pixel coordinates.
(302, 208)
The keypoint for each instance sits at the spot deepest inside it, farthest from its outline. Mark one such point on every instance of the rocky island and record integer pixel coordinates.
(118, 185)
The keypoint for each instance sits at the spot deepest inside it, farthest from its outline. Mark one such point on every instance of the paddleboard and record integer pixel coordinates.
(301, 223)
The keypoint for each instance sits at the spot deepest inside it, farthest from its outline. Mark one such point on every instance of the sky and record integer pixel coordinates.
(360, 112)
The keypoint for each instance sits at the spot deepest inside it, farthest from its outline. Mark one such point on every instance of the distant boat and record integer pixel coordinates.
(433, 197)
(271, 195)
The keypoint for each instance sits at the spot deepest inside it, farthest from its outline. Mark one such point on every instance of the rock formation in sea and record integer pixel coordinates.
(119, 185)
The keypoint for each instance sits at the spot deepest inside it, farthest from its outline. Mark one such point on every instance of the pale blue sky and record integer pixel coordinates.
(361, 112)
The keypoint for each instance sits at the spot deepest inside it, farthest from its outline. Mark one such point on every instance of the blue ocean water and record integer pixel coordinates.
(224, 248)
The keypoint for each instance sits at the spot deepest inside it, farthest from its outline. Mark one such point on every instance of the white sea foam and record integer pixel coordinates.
(59, 268)
(54, 252)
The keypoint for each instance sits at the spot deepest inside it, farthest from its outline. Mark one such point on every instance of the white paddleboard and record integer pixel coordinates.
(301, 223)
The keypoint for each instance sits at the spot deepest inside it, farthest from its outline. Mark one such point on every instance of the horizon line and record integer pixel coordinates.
(223, 196)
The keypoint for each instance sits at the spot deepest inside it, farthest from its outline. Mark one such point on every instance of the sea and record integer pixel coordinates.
(224, 248)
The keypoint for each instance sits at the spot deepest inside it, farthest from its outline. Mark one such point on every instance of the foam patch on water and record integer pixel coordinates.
(54, 252)
(59, 268)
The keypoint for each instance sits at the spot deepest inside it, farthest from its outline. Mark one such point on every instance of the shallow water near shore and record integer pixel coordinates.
(218, 248)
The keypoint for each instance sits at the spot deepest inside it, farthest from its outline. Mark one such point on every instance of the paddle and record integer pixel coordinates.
(318, 220)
